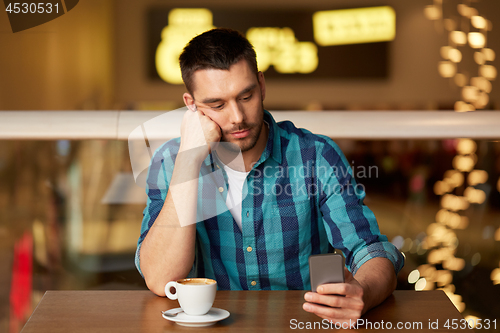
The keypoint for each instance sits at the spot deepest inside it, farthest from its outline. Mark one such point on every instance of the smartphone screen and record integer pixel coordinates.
(326, 268)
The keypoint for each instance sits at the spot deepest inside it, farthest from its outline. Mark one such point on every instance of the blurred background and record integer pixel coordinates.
(70, 212)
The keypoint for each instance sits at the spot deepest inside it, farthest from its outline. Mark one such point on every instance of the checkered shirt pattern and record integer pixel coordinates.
(300, 198)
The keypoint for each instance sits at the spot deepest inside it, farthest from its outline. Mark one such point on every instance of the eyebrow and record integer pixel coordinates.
(217, 99)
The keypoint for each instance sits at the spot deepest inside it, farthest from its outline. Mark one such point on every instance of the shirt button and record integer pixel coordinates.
(253, 283)
(249, 249)
(221, 189)
(248, 214)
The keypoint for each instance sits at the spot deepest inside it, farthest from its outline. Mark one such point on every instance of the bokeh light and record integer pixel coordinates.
(488, 71)
(470, 93)
(466, 146)
(455, 55)
(458, 37)
(447, 68)
(420, 284)
(454, 177)
(495, 276)
(475, 196)
(478, 22)
(460, 79)
(489, 54)
(413, 276)
(454, 203)
(464, 163)
(461, 106)
(454, 264)
(479, 58)
(471, 320)
(481, 83)
(476, 259)
(477, 177)
(432, 12)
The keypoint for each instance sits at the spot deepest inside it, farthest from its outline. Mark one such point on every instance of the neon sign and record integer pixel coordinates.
(354, 26)
(183, 25)
(279, 47)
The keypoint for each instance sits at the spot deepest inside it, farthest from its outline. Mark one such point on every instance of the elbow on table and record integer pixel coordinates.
(153, 281)
(157, 284)
(156, 287)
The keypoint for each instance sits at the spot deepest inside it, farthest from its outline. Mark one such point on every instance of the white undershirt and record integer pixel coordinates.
(236, 180)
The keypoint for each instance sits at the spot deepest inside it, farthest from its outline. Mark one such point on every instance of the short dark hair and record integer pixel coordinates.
(216, 49)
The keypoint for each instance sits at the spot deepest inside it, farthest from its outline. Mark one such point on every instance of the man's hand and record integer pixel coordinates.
(375, 281)
(337, 302)
(198, 130)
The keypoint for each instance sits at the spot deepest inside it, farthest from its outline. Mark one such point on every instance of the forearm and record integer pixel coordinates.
(378, 279)
(167, 252)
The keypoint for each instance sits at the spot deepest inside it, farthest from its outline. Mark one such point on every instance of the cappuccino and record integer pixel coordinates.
(195, 296)
(196, 281)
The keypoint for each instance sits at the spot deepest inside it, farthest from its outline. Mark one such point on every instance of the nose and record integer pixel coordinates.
(236, 113)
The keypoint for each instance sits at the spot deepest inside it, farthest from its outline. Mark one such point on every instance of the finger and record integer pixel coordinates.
(218, 127)
(329, 300)
(335, 301)
(331, 313)
(349, 289)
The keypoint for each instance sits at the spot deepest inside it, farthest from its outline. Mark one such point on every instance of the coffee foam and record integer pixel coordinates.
(196, 281)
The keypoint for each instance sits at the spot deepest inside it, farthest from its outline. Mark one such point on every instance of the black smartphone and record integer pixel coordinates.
(326, 268)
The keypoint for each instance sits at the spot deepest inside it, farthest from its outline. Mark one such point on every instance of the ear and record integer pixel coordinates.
(262, 84)
(189, 101)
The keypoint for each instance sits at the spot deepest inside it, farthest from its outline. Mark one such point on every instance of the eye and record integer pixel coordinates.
(217, 107)
(247, 98)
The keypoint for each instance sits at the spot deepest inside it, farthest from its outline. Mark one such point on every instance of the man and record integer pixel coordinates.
(297, 194)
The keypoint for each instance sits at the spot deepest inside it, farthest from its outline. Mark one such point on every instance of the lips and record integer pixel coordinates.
(240, 134)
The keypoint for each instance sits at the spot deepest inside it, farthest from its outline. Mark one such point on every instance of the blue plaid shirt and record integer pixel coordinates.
(300, 198)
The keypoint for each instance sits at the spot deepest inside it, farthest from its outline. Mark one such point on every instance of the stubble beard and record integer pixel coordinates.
(250, 141)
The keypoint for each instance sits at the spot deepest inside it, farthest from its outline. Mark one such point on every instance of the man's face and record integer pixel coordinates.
(232, 99)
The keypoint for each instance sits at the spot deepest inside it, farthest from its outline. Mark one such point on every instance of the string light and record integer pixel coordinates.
(458, 37)
(447, 68)
(476, 40)
(478, 22)
(477, 177)
(460, 79)
(488, 71)
(441, 240)
(489, 54)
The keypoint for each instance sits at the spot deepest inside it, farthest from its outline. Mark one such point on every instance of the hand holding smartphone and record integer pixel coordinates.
(325, 268)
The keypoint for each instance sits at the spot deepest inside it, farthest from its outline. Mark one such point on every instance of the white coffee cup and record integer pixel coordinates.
(195, 296)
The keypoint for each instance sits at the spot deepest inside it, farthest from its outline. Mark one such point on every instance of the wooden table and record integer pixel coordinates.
(251, 311)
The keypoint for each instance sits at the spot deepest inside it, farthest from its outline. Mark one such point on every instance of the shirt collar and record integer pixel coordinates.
(273, 147)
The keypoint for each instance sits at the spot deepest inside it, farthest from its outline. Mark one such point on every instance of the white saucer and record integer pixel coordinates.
(214, 315)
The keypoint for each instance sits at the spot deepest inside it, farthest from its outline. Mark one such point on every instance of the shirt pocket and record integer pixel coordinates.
(290, 208)
(290, 221)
